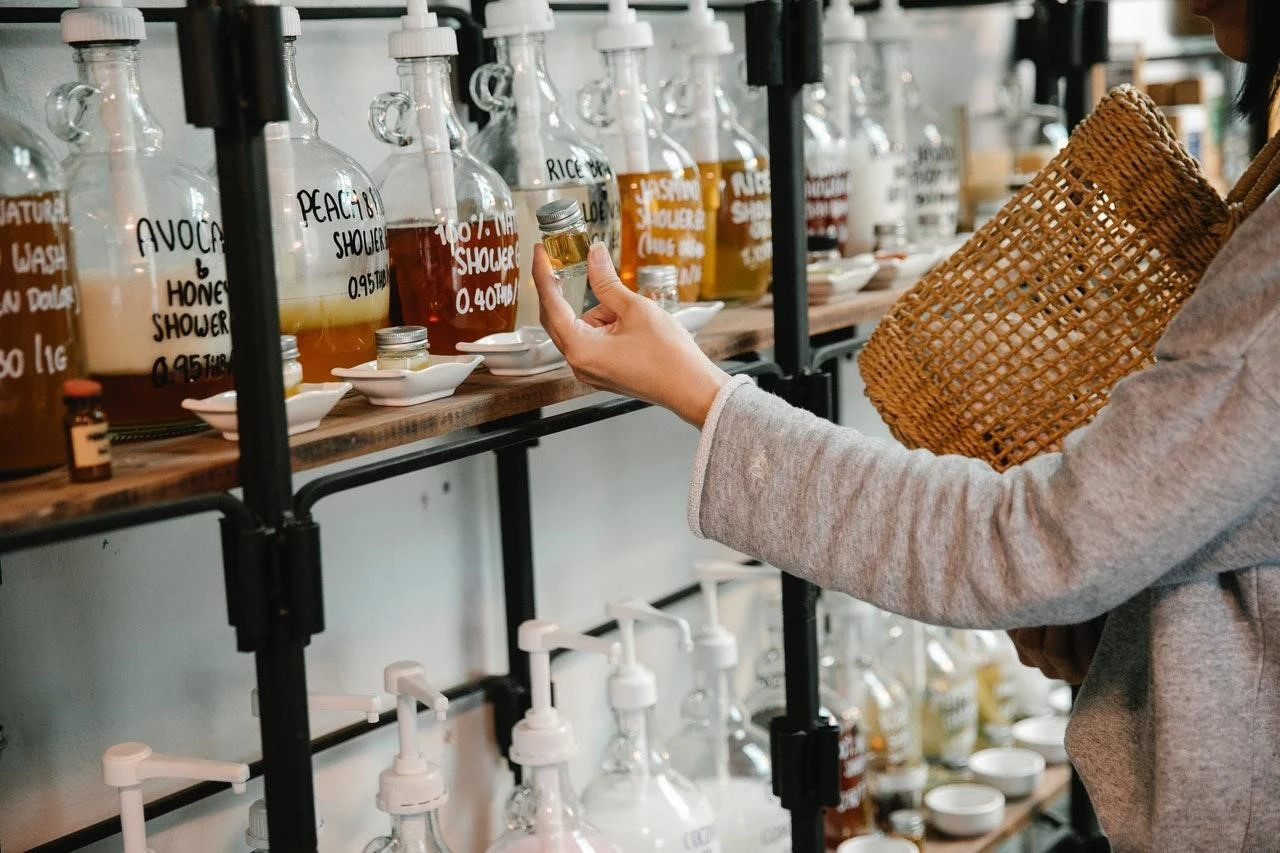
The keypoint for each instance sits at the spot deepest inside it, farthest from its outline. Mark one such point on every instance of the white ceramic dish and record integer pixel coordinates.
(896, 273)
(694, 315)
(964, 810)
(1012, 771)
(876, 844)
(1045, 735)
(303, 410)
(525, 352)
(831, 281)
(440, 378)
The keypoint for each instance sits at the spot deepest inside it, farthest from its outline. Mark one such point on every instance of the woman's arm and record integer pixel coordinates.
(1181, 454)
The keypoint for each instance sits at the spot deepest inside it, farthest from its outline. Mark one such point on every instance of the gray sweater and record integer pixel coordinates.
(1164, 511)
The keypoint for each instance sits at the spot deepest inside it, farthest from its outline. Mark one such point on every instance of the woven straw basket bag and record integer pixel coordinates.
(1017, 339)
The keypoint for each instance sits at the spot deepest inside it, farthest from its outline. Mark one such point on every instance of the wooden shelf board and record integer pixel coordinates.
(1018, 815)
(149, 472)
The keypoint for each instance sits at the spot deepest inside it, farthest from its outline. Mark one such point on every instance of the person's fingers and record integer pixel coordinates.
(554, 310)
(601, 315)
(604, 280)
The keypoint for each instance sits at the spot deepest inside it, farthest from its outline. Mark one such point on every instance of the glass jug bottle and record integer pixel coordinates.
(451, 221)
(329, 235)
(149, 245)
(419, 833)
(826, 173)
(544, 816)
(533, 145)
(663, 220)
(39, 341)
(733, 163)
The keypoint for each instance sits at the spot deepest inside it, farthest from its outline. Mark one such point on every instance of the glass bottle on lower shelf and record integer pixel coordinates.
(995, 659)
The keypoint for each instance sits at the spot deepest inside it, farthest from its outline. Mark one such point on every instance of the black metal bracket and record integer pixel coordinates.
(784, 42)
(806, 763)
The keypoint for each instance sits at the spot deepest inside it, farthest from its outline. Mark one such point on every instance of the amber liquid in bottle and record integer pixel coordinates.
(38, 343)
(663, 223)
(743, 231)
(337, 332)
(459, 280)
(854, 815)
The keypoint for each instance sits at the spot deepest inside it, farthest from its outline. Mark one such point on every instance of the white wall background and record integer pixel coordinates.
(124, 637)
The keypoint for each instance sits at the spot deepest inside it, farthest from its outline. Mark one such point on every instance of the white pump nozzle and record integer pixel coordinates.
(715, 648)
(412, 785)
(543, 738)
(841, 26)
(420, 35)
(890, 24)
(369, 705)
(632, 686)
(622, 30)
(102, 21)
(127, 765)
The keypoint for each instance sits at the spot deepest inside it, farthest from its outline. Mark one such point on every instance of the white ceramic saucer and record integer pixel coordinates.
(440, 378)
(303, 410)
(694, 315)
(527, 351)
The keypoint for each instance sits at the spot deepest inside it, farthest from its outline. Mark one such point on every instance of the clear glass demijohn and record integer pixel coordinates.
(534, 145)
(544, 816)
(733, 163)
(451, 221)
(149, 264)
(419, 833)
(663, 220)
(329, 236)
(39, 339)
(826, 172)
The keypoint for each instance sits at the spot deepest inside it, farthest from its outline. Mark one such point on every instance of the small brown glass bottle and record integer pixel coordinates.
(88, 447)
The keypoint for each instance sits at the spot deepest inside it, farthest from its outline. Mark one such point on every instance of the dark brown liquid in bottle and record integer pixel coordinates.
(141, 407)
(39, 347)
(461, 289)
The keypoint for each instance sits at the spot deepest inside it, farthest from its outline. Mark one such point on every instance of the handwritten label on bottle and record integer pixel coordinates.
(935, 182)
(663, 223)
(826, 199)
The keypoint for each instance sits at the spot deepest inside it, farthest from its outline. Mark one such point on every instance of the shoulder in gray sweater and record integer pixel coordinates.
(1165, 512)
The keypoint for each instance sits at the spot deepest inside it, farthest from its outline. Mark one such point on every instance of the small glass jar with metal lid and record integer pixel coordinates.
(891, 241)
(908, 824)
(564, 236)
(661, 284)
(402, 348)
(292, 366)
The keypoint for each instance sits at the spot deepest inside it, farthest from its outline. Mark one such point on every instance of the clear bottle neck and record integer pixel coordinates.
(628, 70)
(526, 56)
(418, 833)
(632, 749)
(121, 121)
(428, 81)
(302, 123)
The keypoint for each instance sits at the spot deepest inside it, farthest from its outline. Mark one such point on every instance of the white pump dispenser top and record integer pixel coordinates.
(412, 785)
(504, 18)
(543, 738)
(622, 30)
(420, 35)
(632, 686)
(370, 706)
(127, 765)
(714, 647)
(704, 40)
(102, 21)
(890, 24)
(701, 34)
(841, 26)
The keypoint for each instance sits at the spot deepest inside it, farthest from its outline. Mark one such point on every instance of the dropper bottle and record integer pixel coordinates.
(663, 220)
(412, 789)
(877, 171)
(733, 163)
(451, 223)
(716, 748)
(639, 801)
(330, 236)
(532, 143)
(543, 816)
(148, 236)
(933, 171)
(127, 765)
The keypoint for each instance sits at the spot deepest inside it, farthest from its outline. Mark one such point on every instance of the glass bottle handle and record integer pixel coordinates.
(382, 107)
(489, 84)
(673, 95)
(65, 108)
(593, 103)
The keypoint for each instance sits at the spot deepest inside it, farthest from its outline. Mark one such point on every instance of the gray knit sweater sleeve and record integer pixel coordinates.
(1183, 452)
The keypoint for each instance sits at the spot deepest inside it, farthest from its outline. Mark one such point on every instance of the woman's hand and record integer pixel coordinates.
(627, 344)
(1060, 651)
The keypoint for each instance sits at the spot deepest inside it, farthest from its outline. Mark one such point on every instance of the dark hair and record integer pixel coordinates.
(1263, 62)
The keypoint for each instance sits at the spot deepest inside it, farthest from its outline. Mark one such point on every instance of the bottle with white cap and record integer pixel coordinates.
(933, 170)
(451, 222)
(853, 816)
(733, 163)
(370, 706)
(663, 220)
(639, 801)
(877, 171)
(716, 748)
(533, 144)
(543, 815)
(826, 173)
(330, 235)
(149, 242)
(127, 765)
(412, 789)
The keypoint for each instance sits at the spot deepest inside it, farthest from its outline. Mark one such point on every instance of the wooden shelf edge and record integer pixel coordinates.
(156, 471)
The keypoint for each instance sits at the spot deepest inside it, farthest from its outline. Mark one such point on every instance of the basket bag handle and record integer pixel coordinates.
(1256, 184)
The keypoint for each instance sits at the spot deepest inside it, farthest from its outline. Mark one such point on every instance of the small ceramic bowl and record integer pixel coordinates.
(830, 281)
(1045, 735)
(895, 273)
(875, 844)
(964, 810)
(1011, 771)
(440, 378)
(527, 351)
(694, 315)
(303, 410)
